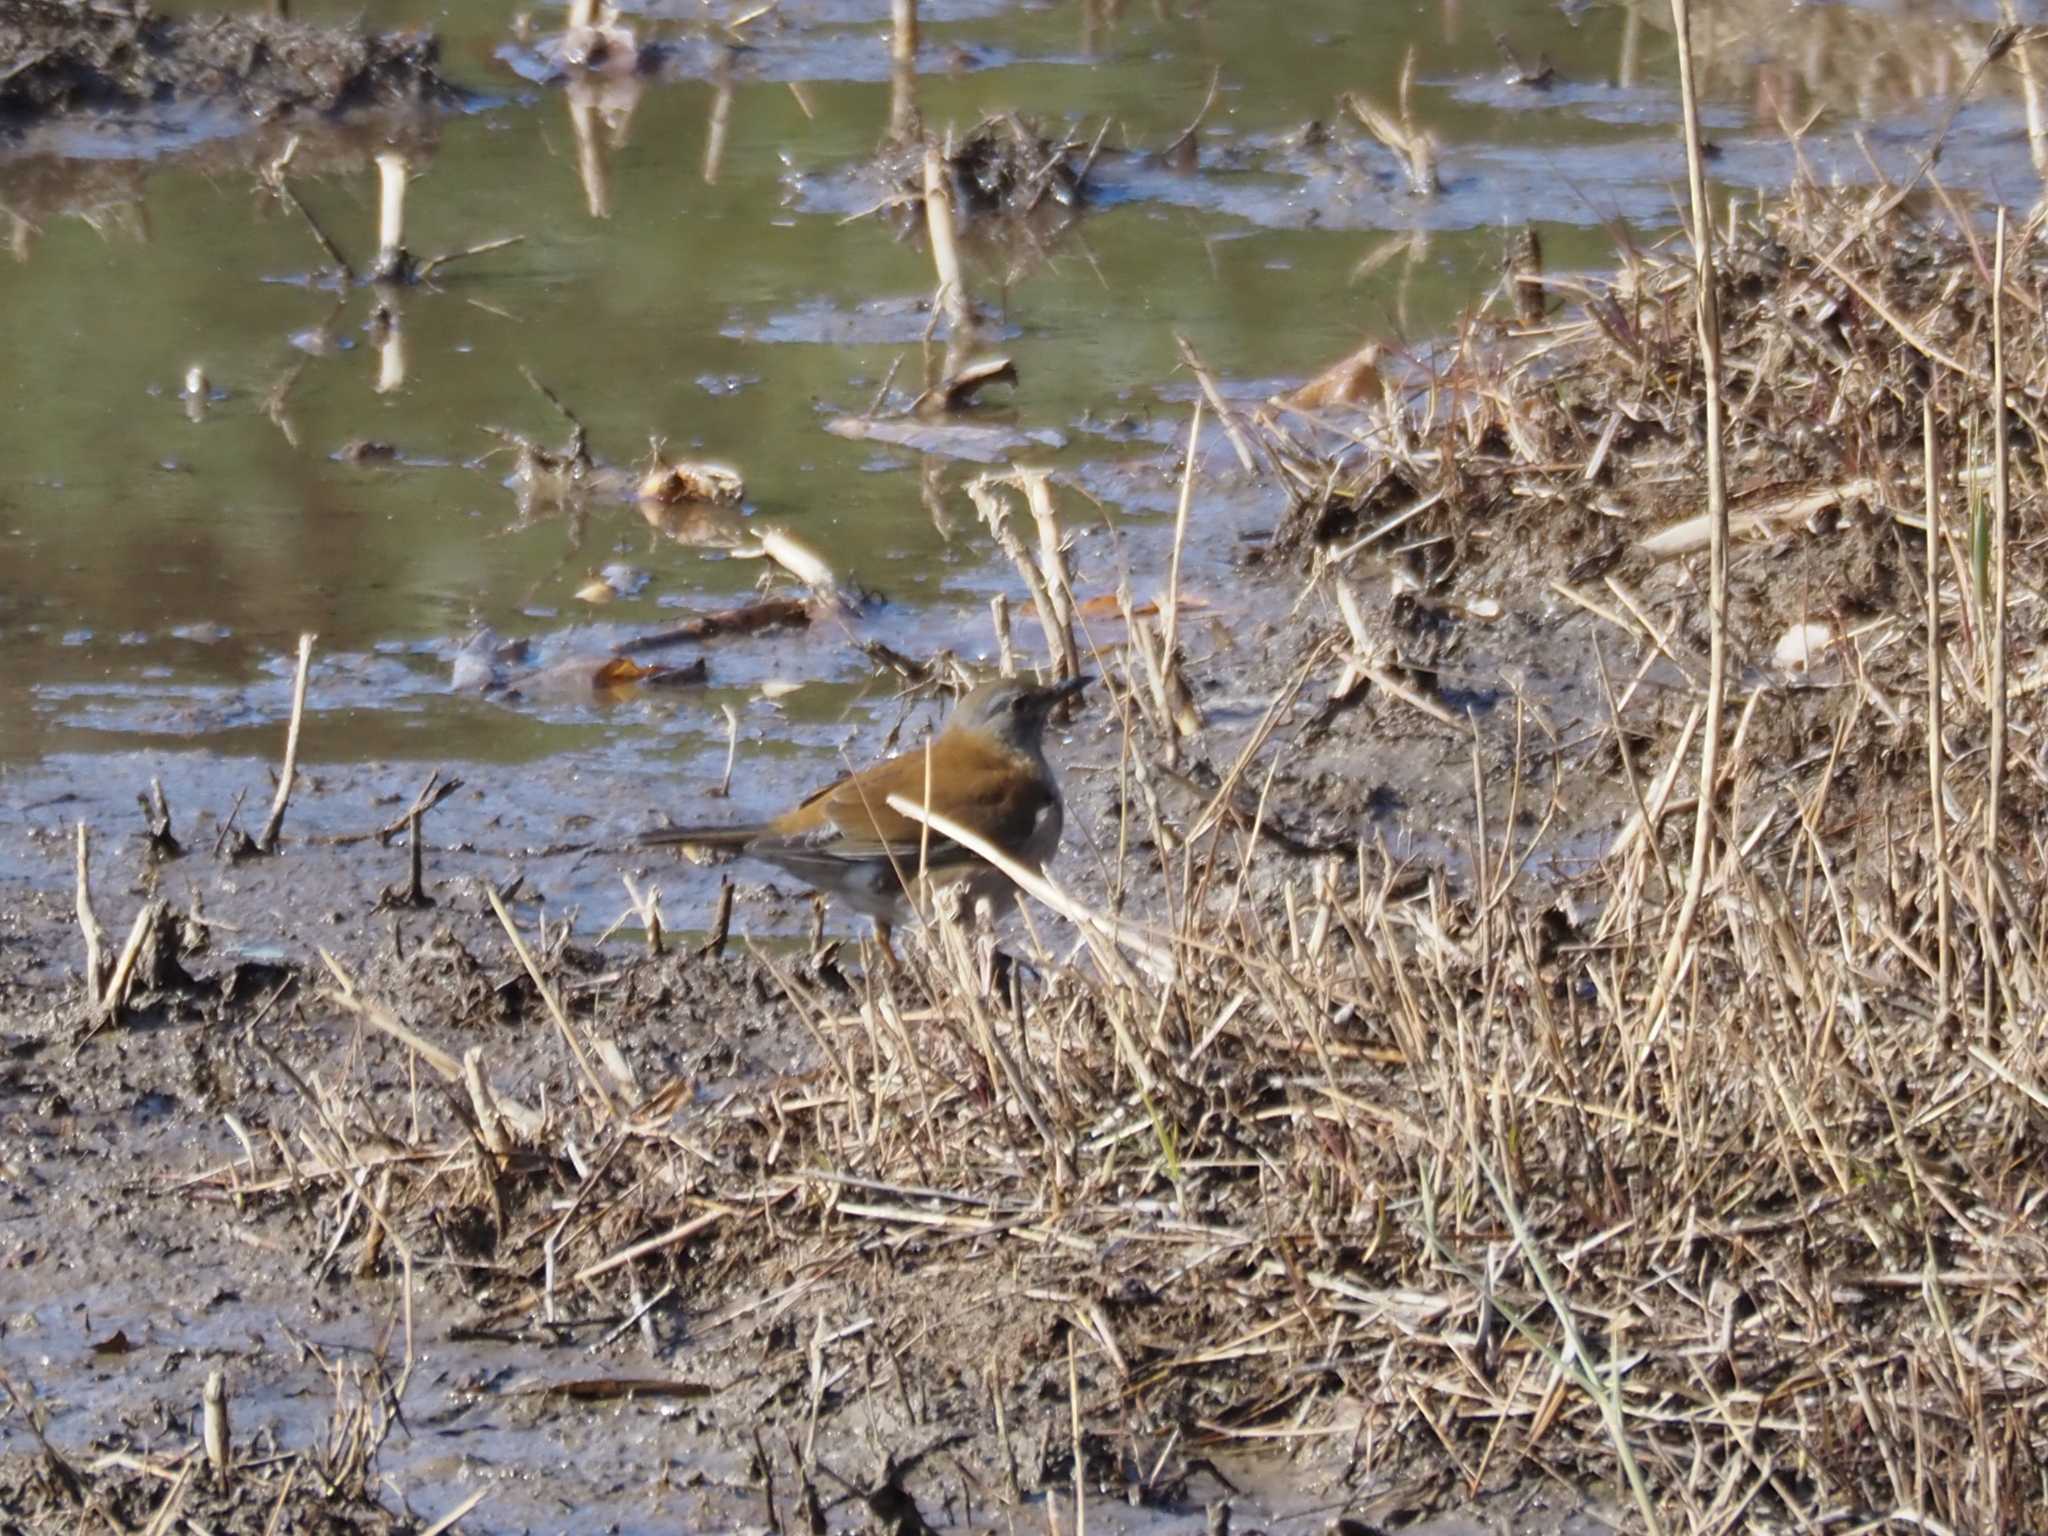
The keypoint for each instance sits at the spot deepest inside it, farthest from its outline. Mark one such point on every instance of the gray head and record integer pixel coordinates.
(1013, 709)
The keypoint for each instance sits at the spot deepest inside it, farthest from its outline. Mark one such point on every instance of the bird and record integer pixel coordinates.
(985, 770)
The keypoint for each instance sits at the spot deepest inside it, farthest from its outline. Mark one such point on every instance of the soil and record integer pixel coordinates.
(122, 55)
(144, 1248)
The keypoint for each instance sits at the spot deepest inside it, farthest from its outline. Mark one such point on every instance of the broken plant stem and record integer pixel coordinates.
(552, 1003)
(902, 70)
(1006, 652)
(394, 263)
(219, 1446)
(274, 823)
(952, 300)
(89, 925)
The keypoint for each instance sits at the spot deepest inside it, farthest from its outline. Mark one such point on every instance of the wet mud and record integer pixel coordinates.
(126, 56)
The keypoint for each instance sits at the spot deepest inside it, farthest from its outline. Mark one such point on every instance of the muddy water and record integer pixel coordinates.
(692, 266)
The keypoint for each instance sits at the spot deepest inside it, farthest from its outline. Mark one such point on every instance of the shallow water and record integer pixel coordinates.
(700, 272)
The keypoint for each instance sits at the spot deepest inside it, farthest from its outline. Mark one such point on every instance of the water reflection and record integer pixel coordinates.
(739, 241)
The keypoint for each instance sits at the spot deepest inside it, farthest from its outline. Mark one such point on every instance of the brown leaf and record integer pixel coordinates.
(1353, 380)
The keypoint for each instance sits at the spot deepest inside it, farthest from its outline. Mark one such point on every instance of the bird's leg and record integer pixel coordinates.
(885, 941)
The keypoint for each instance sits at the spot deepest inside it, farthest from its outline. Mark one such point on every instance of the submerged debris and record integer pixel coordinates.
(1003, 168)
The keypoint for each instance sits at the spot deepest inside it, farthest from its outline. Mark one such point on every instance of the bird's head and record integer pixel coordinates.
(1013, 710)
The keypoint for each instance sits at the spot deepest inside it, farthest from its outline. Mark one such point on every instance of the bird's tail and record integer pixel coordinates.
(700, 837)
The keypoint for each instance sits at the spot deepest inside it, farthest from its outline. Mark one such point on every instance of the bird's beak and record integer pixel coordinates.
(1055, 692)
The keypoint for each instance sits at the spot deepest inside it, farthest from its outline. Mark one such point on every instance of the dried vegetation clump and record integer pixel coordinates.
(1430, 1168)
(1560, 460)
(1003, 174)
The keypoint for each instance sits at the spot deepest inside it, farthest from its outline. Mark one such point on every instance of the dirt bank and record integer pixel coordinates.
(57, 58)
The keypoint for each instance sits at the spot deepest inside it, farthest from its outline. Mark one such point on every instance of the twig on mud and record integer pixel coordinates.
(215, 1434)
(115, 998)
(454, 1517)
(552, 1003)
(267, 841)
(681, 1232)
(721, 922)
(769, 613)
(89, 926)
(156, 812)
(384, 1020)
(431, 794)
(411, 896)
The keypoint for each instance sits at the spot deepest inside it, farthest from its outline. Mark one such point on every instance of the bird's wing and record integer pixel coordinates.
(983, 787)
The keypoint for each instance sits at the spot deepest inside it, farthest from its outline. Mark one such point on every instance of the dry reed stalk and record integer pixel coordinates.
(2001, 509)
(717, 125)
(393, 260)
(1413, 145)
(1708, 319)
(940, 223)
(593, 171)
(266, 841)
(1036, 484)
(985, 492)
(903, 123)
(1233, 429)
(1177, 707)
(89, 925)
(1937, 809)
(999, 617)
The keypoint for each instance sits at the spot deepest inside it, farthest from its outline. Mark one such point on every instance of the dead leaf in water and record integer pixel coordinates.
(607, 674)
(718, 484)
(116, 1345)
(957, 392)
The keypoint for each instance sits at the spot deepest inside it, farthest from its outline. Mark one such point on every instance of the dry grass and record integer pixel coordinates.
(1413, 1173)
